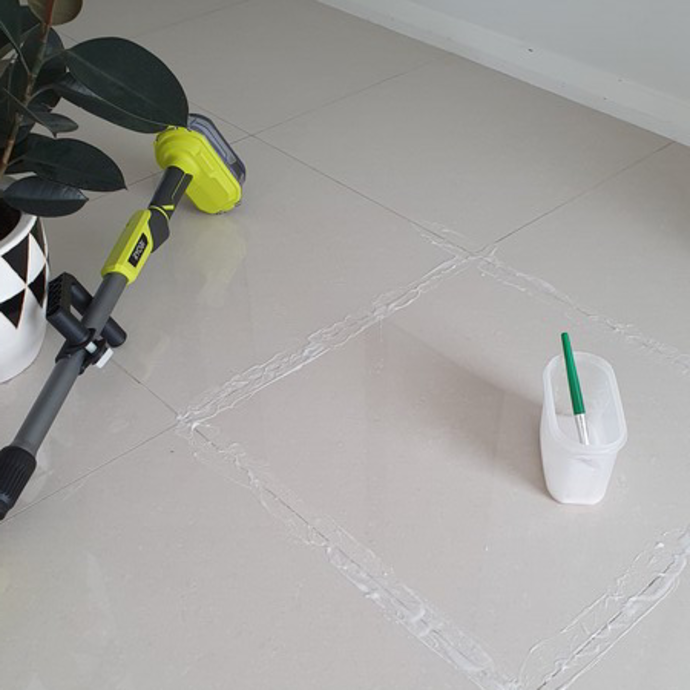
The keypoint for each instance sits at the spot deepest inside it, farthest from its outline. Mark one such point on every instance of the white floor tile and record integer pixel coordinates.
(156, 574)
(454, 145)
(420, 437)
(132, 18)
(621, 251)
(106, 415)
(262, 62)
(231, 291)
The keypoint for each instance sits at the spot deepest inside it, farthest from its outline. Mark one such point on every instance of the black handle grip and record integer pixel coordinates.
(16, 467)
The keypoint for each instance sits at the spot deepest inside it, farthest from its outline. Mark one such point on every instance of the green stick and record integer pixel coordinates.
(575, 390)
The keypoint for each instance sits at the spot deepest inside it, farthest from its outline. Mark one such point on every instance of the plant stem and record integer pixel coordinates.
(28, 92)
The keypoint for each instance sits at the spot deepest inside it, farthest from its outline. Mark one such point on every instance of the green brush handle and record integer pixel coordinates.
(573, 379)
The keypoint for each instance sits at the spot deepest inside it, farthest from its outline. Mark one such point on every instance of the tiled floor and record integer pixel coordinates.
(315, 464)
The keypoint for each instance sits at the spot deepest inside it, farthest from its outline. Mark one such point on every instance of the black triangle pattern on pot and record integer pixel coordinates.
(18, 259)
(38, 286)
(12, 308)
(37, 233)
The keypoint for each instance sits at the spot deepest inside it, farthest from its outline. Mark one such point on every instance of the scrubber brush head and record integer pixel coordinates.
(200, 150)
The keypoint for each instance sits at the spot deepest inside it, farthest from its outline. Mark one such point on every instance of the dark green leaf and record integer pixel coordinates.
(43, 197)
(5, 112)
(16, 79)
(63, 10)
(11, 22)
(129, 78)
(81, 96)
(52, 69)
(19, 149)
(17, 105)
(28, 21)
(72, 162)
(54, 122)
(8, 107)
(46, 97)
(32, 42)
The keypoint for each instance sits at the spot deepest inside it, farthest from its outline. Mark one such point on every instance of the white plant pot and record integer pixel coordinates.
(23, 295)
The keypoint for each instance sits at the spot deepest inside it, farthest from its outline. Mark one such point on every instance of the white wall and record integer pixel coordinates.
(629, 58)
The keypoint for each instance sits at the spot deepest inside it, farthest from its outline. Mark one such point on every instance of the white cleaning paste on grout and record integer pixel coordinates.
(551, 665)
(250, 382)
(557, 662)
(357, 564)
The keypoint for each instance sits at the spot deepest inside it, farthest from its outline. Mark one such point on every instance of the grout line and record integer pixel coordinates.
(246, 384)
(355, 562)
(76, 483)
(599, 184)
(223, 119)
(425, 63)
(552, 664)
(352, 94)
(131, 183)
(165, 27)
(450, 236)
(489, 265)
(434, 237)
(128, 373)
(557, 662)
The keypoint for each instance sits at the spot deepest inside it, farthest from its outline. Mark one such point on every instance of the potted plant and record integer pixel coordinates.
(43, 172)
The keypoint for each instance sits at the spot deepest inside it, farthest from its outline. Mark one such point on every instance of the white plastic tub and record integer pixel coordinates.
(576, 473)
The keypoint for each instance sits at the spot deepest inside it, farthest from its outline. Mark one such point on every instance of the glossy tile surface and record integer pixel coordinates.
(140, 580)
(103, 18)
(632, 233)
(420, 438)
(107, 415)
(264, 61)
(454, 145)
(315, 463)
(656, 655)
(233, 290)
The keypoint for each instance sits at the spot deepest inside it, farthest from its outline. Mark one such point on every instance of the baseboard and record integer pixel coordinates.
(653, 110)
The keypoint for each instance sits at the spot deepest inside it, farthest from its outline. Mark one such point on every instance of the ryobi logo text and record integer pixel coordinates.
(138, 251)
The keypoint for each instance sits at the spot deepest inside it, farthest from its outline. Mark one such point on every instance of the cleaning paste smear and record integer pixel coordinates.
(245, 385)
(557, 662)
(357, 564)
(553, 664)
(490, 265)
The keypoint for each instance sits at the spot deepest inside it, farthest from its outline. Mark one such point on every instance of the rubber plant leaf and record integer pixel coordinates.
(72, 162)
(43, 197)
(63, 10)
(52, 68)
(28, 21)
(11, 22)
(81, 96)
(130, 78)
